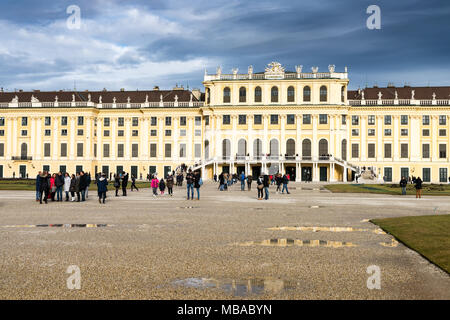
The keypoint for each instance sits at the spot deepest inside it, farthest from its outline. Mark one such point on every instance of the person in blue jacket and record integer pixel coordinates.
(242, 178)
(38, 186)
(102, 187)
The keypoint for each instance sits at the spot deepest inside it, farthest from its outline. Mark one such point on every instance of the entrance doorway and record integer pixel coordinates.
(23, 171)
(240, 169)
(291, 172)
(256, 172)
(226, 169)
(323, 173)
(306, 173)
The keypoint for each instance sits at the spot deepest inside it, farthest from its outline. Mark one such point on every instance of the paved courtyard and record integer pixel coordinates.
(310, 244)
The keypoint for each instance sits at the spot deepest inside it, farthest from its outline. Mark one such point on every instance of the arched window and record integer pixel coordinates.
(274, 149)
(323, 147)
(323, 94)
(242, 147)
(306, 148)
(291, 94)
(206, 149)
(226, 149)
(343, 94)
(344, 150)
(274, 94)
(257, 148)
(307, 94)
(226, 95)
(258, 94)
(242, 94)
(23, 150)
(290, 147)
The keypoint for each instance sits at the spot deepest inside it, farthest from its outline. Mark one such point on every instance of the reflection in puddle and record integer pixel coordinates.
(327, 229)
(187, 207)
(239, 288)
(298, 243)
(392, 244)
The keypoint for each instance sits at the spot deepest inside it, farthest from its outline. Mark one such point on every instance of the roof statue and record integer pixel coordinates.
(379, 95)
(56, 98)
(396, 95)
(100, 99)
(128, 100)
(299, 68)
(73, 98)
(413, 92)
(34, 99)
(114, 100)
(89, 97)
(274, 67)
(315, 69)
(331, 68)
(15, 99)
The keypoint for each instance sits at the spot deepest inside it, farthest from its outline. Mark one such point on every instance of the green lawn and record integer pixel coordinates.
(22, 184)
(428, 189)
(428, 235)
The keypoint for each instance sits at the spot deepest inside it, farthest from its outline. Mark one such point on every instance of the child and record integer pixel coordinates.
(162, 186)
(154, 185)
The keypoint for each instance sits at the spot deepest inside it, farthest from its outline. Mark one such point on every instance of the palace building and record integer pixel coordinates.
(307, 124)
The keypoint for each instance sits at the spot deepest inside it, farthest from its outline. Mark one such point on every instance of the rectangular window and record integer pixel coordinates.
(48, 121)
(442, 120)
(63, 149)
(323, 118)
(182, 150)
(24, 121)
(426, 132)
(80, 121)
(48, 132)
(46, 149)
(182, 132)
(121, 122)
(443, 175)
(355, 120)
(24, 133)
(135, 121)
(404, 172)
(198, 150)
(120, 133)
(2, 121)
(387, 120)
(106, 150)
(257, 119)
(198, 121)
(306, 119)
(404, 120)
(226, 119)
(442, 151)
(79, 149)
(344, 119)
(153, 133)
(206, 120)
(426, 120)
(168, 133)
(64, 121)
(106, 122)
(242, 119)
(168, 150)
(371, 150)
(120, 150)
(371, 132)
(80, 132)
(182, 121)
(442, 132)
(388, 174)
(2, 133)
(387, 132)
(426, 175)
(134, 133)
(95, 149)
(425, 151)
(168, 121)
(198, 132)
(273, 119)
(404, 132)
(2, 149)
(355, 150)
(404, 150)
(152, 150)
(355, 132)
(134, 150)
(371, 120)
(388, 150)
(290, 119)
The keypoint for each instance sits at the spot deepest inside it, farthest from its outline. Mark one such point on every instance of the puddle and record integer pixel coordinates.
(59, 225)
(286, 242)
(187, 207)
(392, 244)
(239, 288)
(327, 229)
(315, 207)
(258, 208)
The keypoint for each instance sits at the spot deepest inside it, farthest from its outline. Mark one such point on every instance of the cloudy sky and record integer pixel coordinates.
(138, 44)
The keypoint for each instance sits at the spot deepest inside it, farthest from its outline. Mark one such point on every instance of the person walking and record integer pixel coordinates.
(59, 182)
(88, 183)
(221, 182)
(169, 183)
(44, 186)
(154, 184)
(77, 186)
(124, 183)
(285, 181)
(403, 183)
(67, 185)
(162, 186)
(190, 184)
(266, 187)
(117, 183)
(133, 183)
(38, 186)
(83, 185)
(197, 184)
(73, 182)
(102, 188)
(418, 185)
(260, 187)
(278, 181)
(249, 182)
(242, 178)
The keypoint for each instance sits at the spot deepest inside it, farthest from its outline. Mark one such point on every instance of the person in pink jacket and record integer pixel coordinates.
(154, 185)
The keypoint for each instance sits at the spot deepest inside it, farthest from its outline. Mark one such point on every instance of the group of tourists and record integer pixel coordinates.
(417, 185)
(49, 186)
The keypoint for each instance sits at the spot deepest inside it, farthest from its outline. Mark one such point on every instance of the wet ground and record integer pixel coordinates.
(310, 244)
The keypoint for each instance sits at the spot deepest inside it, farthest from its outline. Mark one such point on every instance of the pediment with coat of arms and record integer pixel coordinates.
(274, 70)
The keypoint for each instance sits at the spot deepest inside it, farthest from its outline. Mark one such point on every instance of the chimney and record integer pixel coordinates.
(156, 88)
(122, 89)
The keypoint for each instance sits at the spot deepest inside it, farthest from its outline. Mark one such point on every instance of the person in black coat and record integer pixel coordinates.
(266, 184)
(83, 185)
(102, 187)
(124, 183)
(38, 186)
(44, 186)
